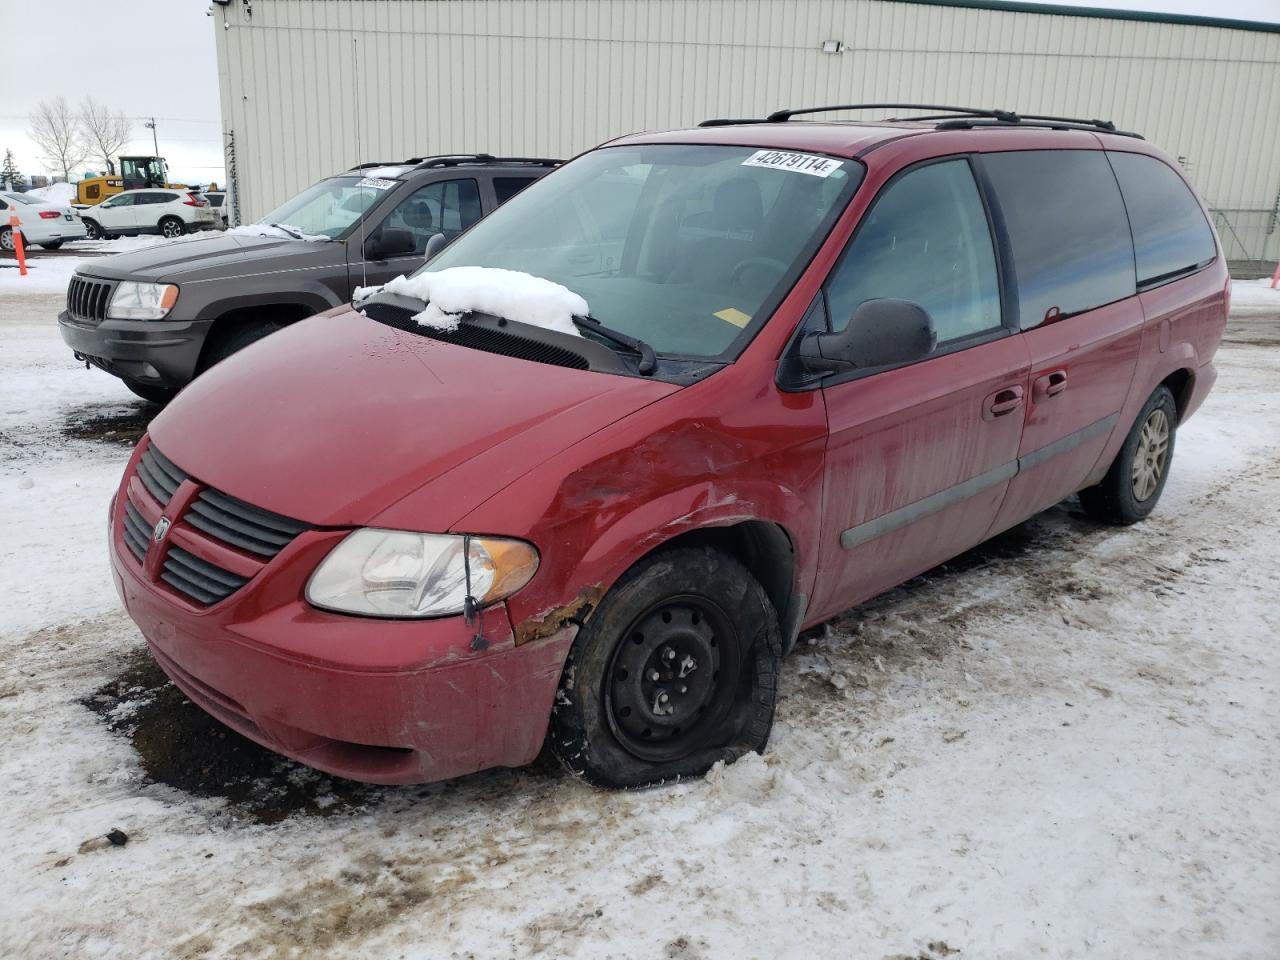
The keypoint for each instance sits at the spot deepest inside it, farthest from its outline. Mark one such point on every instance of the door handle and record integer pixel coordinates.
(1002, 402)
(1051, 384)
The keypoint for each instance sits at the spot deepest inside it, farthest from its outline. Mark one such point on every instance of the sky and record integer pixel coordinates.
(163, 64)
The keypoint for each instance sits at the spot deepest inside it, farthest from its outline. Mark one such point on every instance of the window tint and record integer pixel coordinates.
(447, 207)
(508, 187)
(121, 200)
(925, 239)
(215, 199)
(1071, 245)
(1170, 233)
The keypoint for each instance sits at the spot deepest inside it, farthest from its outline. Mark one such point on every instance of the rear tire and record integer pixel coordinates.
(172, 227)
(151, 392)
(92, 231)
(676, 670)
(1132, 487)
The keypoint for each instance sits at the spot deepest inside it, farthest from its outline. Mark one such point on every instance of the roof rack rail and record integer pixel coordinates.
(947, 117)
(457, 159)
(377, 163)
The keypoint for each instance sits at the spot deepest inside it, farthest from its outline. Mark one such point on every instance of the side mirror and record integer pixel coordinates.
(390, 243)
(437, 243)
(880, 333)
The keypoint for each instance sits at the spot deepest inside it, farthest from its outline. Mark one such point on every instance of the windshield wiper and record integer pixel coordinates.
(281, 226)
(648, 359)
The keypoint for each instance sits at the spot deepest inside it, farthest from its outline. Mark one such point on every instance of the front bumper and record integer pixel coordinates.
(156, 352)
(379, 701)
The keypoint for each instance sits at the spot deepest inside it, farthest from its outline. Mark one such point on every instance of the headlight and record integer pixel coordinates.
(142, 301)
(389, 573)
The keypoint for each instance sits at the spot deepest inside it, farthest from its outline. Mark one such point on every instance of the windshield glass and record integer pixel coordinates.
(688, 247)
(18, 198)
(329, 208)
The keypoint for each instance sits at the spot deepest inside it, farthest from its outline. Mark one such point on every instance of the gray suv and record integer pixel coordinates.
(157, 317)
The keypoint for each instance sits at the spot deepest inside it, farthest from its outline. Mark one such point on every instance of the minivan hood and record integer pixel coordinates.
(336, 418)
(219, 256)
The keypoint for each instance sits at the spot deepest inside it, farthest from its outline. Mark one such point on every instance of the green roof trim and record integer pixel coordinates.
(1104, 13)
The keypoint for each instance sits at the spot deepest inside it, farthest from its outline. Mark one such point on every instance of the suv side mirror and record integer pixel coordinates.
(437, 243)
(880, 333)
(390, 243)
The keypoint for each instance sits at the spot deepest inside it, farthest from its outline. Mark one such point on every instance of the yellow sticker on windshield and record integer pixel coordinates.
(734, 316)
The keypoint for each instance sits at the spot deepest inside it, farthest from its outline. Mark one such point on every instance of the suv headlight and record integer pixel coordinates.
(390, 573)
(142, 301)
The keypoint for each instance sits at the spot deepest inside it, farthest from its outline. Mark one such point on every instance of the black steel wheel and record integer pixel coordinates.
(677, 669)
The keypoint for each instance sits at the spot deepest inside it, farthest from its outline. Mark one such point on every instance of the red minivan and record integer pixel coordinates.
(688, 395)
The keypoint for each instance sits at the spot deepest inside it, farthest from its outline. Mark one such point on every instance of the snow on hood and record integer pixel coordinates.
(517, 296)
(283, 231)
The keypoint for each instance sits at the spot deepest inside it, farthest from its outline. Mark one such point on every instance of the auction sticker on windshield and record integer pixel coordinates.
(814, 166)
(376, 183)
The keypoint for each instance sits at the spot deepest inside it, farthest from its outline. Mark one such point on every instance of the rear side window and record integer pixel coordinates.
(1070, 239)
(1170, 233)
(925, 239)
(508, 187)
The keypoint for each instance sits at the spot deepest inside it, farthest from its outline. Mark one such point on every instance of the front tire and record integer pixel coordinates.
(52, 245)
(6, 240)
(151, 392)
(676, 670)
(224, 343)
(1132, 487)
(171, 228)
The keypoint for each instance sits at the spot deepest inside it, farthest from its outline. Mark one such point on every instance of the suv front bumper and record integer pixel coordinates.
(161, 353)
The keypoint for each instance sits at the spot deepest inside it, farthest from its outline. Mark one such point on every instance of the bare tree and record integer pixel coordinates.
(105, 133)
(55, 128)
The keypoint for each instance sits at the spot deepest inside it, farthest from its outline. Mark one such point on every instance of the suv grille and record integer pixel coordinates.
(87, 298)
(210, 517)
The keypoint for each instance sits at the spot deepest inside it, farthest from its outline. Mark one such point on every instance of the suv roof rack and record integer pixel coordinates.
(457, 159)
(948, 117)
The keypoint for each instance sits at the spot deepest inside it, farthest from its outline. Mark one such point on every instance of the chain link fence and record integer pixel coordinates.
(1251, 238)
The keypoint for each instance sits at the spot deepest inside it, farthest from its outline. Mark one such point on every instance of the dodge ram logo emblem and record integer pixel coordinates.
(162, 527)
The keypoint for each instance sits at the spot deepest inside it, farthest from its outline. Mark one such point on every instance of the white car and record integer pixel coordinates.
(170, 213)
(46, 224)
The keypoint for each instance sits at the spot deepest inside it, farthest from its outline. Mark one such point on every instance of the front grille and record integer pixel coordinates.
(87, 298)
(160, 475)
(202, 581)
(212, 517)
(241, 524)
(136, 533)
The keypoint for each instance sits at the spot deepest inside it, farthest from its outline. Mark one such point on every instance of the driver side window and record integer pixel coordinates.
(447, 207)
(925, 239)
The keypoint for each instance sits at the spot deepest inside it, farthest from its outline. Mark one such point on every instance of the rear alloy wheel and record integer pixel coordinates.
(92, 230)
(172, 227)
(1133, 484)
(676, 670)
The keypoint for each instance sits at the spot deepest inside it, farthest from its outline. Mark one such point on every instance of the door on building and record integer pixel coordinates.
(919, 456)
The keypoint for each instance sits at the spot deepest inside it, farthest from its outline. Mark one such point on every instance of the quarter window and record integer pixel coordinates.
(925, 239)
(1170, 233)
(508, 187)
(1072, 250)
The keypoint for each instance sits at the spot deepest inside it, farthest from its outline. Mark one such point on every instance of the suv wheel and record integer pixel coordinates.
(223, 343)
(152, 392)
(172, 227)
(676, 670)
(92, 230)
(1132, 487)
(52, 245)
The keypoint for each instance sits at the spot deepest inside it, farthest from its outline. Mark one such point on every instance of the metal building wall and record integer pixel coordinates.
(310, 87)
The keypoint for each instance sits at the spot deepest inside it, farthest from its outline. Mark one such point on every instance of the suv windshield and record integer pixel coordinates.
(688, 247)
(329, 208)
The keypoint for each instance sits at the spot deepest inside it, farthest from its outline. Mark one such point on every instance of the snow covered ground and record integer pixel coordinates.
(1063, 744)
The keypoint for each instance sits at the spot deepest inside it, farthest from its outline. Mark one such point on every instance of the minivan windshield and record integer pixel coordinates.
(687, 247)
(329, 208)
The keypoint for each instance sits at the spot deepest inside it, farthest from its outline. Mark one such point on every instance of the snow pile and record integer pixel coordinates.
(61, 193)
(282, 231)
(516, 296)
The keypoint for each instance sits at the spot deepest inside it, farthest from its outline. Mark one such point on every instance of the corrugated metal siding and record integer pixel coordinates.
(554, 77)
